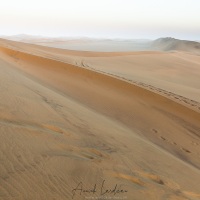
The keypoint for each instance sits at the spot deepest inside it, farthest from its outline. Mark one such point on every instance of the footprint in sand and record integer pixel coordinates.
(162, 138)
(154, 130)
(186, 150)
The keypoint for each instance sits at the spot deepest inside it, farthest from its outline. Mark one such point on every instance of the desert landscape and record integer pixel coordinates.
(99, 125)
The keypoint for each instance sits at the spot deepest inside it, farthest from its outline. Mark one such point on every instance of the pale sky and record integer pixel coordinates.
(102, 18)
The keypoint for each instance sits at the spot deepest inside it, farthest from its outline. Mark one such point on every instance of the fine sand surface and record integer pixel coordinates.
(72, 119)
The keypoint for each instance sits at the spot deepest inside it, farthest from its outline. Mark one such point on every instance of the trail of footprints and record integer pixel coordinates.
(178, 98)
(164, 139)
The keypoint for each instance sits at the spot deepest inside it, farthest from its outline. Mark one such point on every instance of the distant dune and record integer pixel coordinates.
(85, 43)
(125, 121)
(170, 44)
(111, 45)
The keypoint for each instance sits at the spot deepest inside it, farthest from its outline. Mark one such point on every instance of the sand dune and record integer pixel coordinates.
(72, 118)
(169, 44)
(85, 43)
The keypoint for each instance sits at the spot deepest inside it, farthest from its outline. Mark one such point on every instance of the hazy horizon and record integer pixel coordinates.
(29, 36)
(102, 19)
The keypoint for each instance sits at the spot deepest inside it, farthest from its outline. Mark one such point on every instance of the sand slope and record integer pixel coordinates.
(63, 124)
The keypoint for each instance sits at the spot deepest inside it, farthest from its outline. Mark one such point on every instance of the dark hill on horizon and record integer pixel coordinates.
(172, 44)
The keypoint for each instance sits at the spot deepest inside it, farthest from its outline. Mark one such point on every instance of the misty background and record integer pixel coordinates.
(127, 19)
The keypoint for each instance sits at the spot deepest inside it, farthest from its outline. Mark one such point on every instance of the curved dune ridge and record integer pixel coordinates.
(64, 121)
